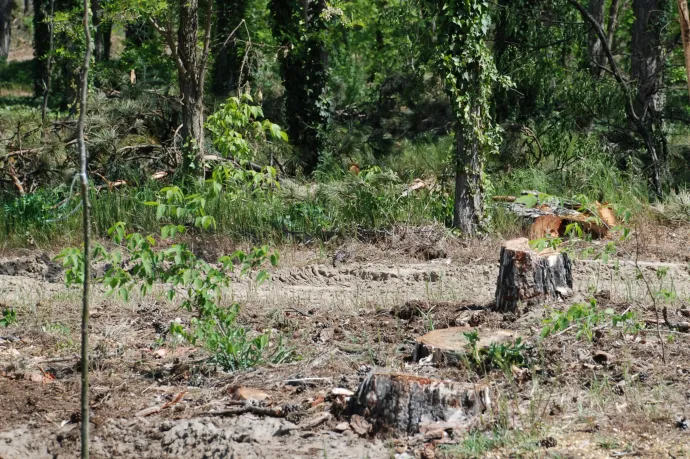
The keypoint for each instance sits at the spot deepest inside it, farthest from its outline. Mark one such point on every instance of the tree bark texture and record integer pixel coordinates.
(228, 54)
(304, 71)
(647, 69)
(468, 207)
(405, 404)
(42, 38)
(527, 277)
(102, 33)
(6, 7)
(190, 82)
(594, 46)
(684, 18)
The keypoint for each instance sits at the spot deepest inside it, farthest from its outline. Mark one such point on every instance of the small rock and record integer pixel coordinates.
(342, 427)
(250, 393)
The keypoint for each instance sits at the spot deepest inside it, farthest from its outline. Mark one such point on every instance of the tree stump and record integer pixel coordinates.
(449, 345)
(405, 404)
(529, 277)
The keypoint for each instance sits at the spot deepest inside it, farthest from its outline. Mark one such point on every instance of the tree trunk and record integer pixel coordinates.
(594, 47)
(86, 228)
(527, 277)
(405, 404)
(468, 207)
(42, 36)
(303, 70)
(684, 18)
(101, 38)
(191, 87)
(228, 58)
(6, 7)
(612, 23)
(647, 69)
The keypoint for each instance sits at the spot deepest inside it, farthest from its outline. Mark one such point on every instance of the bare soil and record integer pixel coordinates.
(612, 396)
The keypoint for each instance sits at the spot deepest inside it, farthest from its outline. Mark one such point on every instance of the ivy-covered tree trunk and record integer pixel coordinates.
(227, 53)
(647, 49)
(466, 64)
(468, 208)
(6, 7)
(299, 27)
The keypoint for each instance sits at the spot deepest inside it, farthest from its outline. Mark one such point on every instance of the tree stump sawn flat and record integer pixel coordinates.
(449, 345)
(529, 277)
(406, 404)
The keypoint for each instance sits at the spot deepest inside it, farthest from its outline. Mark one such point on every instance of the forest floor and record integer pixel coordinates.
(608, 397)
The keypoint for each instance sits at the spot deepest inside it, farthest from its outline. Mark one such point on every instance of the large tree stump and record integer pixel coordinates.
(449, 345)
(405, 404)
(529, 277)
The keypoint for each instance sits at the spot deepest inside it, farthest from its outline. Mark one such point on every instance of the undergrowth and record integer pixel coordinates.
(336, 204)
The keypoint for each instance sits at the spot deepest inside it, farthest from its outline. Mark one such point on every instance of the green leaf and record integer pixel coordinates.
(528, 200)
(160, 211)
(261, 277)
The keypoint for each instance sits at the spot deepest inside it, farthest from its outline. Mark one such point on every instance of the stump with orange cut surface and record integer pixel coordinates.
(528, 277)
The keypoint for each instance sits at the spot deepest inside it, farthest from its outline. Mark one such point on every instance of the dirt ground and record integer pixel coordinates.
(343, 321)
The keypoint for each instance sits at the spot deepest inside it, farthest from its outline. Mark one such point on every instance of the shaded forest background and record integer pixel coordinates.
(339, 109)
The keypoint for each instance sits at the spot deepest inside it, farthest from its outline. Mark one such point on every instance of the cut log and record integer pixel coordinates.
(546, 225)
(404, 404)
(527, 277)
(597, 221)
(449, 345)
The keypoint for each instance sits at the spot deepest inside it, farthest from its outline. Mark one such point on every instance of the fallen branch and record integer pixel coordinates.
(258, 410)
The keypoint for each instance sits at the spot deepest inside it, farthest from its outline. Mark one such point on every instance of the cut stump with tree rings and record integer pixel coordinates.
(449, 345)
(405, 404)
(527, 277)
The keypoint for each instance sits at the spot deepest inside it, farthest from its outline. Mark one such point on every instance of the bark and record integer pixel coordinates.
(406, 404)
(6, 7)
(42, 48)
(303, 69)
(102, 32)
(647, 69)
(228, 55)
(684, 18)
(594, 46)
(527, 277)
(468, 207)
(449, 345)
(86, 223)
(191, 87)
(612, 23)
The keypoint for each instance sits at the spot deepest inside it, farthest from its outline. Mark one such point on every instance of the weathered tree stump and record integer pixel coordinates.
(404, 404)
(529, 277)
(449, 345)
